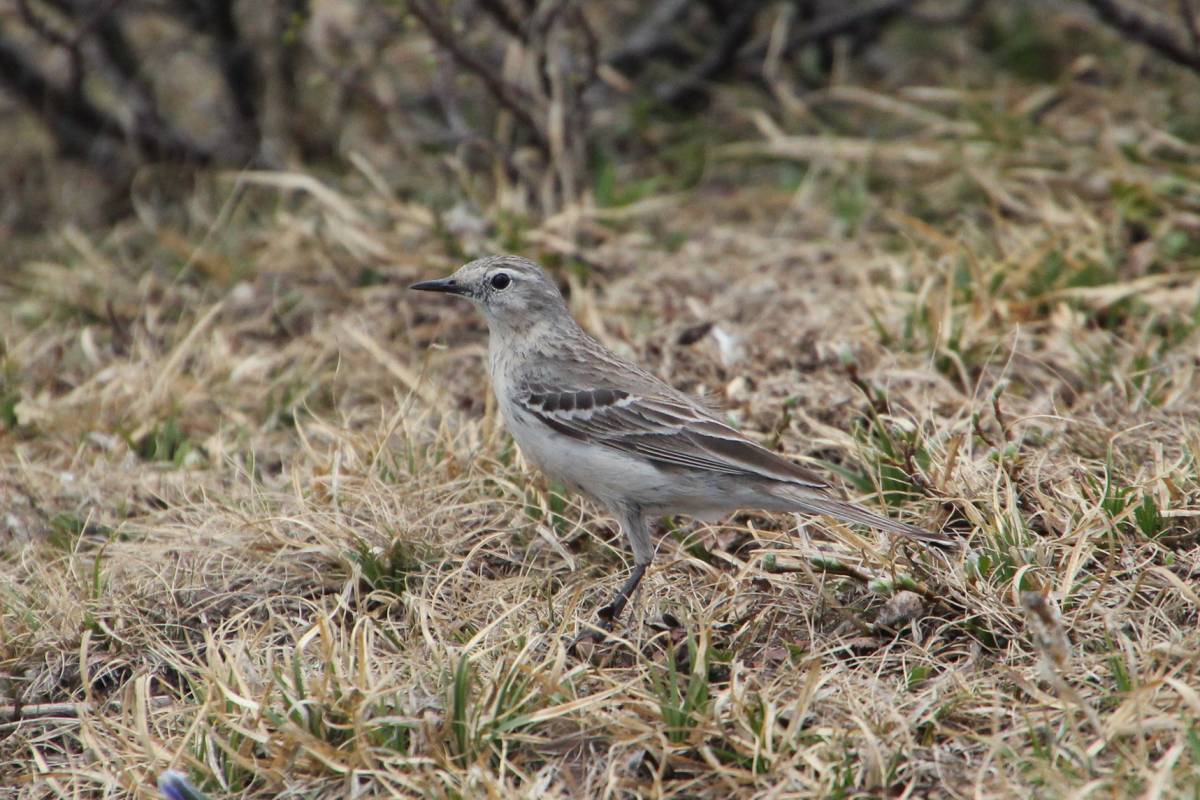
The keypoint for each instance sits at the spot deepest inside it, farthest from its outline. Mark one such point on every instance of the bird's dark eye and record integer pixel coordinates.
(501, 280)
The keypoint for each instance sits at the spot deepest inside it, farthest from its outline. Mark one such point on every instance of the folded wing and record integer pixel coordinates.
(669, 432)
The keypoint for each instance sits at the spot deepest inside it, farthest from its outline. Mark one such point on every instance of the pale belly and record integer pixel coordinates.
(617, 480)
(607, 475)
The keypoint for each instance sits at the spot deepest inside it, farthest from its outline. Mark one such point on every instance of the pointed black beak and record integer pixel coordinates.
(447, 285)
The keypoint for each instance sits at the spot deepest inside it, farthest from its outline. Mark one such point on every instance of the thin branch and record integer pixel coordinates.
(18, 715)
(1159, 38)
(504, 92)
(70, 44)
(80, 128)
(591, 46)
(311, 139)
(155, 136)
(653, 37)
(719, 59)
(236, 64)
(503, 17)
(239, 68)
(1189, 19)
(831, 25)
(83, 130)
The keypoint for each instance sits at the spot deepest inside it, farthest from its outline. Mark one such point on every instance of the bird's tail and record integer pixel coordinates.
(812, 503)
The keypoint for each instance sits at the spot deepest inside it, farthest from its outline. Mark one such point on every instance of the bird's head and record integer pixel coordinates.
(511, 291)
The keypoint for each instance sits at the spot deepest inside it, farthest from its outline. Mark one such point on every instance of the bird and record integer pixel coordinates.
(612, 431)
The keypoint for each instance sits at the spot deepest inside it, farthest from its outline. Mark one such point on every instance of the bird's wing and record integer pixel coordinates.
(665, 429)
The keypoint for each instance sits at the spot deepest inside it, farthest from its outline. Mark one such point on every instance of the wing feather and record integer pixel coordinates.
(670, 432)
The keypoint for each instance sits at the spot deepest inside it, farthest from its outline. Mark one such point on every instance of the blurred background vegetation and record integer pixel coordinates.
(526, 107)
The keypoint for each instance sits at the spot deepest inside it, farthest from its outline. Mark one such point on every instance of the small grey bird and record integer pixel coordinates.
(613, 432)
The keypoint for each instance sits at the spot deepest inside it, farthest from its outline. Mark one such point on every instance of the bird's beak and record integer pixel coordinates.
(447, 285)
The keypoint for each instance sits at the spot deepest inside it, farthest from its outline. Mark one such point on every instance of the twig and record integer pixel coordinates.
(498, 11)
(238, 67)
(81, 129)
(1157, 37)
(837, 24)
(652, 37)
(502, 90)
(240, 70)
(591, 45)
(719, 58)
(156, 137)
(68, 43)
(1189, 19)
(17, 714)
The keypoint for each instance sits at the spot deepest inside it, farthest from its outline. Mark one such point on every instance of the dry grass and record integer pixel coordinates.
(261, 522)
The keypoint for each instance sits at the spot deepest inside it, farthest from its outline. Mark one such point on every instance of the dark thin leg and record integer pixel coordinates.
(611, 611)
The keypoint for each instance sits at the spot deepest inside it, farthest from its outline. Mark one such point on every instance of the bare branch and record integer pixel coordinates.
(831, 25)
(504, 92)
(155, 136)
(591, 45)
(82, 131)
(503, 17)
(70, 44)
(237, 62)
(719, 59)
(1157, 37)
(654, 36)
(1189, 19)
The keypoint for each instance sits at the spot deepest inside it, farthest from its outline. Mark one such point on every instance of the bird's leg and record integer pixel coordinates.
(613, 610)
(610, 612)
(634, 524)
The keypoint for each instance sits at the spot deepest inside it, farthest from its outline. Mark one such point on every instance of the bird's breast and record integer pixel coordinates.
(602, 473)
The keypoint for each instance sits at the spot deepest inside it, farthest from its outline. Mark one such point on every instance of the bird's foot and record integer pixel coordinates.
(593, 633)
(608, 614)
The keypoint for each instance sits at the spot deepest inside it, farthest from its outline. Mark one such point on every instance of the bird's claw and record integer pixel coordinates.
(594, 633)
